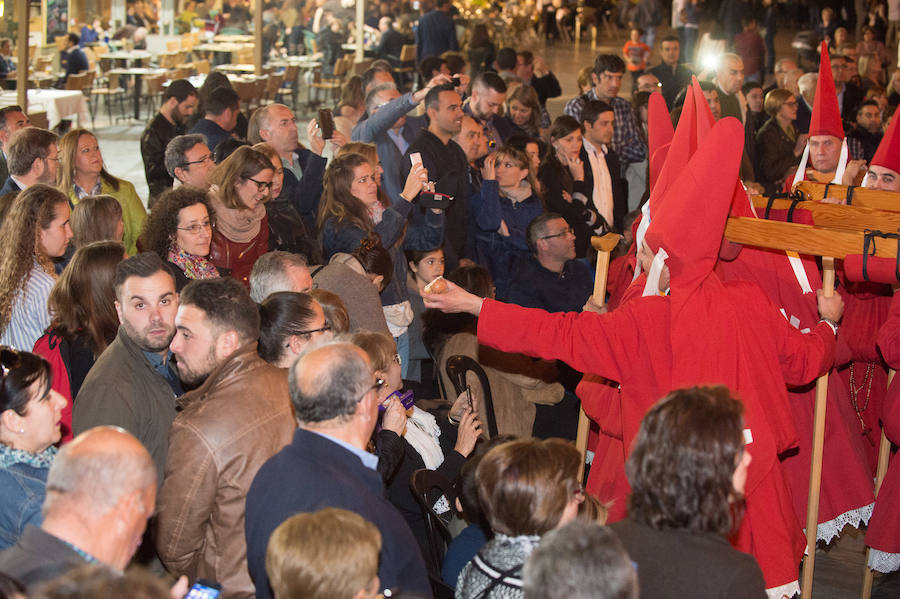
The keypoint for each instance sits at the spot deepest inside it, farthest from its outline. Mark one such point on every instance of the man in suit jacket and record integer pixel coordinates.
(326, 465)
(11, 120)
(436, 33)
(33, 158)
(388, 129)
(849, 95)
(610, 198)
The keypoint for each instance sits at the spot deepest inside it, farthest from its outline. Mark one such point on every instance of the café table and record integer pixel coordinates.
(137, 74)
(57, 103)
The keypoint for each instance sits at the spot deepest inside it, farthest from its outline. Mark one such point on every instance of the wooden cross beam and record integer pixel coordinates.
(837, 216)
(803, 239)
(858, 196)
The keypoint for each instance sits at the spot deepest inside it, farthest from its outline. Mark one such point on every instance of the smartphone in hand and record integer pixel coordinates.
(326, 123)
(204, 589)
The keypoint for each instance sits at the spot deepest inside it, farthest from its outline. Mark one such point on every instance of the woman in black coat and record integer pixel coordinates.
(778, 147)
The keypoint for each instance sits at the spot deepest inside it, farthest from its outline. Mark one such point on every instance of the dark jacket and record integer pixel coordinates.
(679, 563)
(391, 45)
(533, 286)
(313, 472)
(555, 179)
(4, 169)
(288, 232)
(73, 62)
(9, 186)
(673, 81)
(154, 140)
(226, 430)
(212, 131)
(305, 193)
(123, 389)
(38, 557)
(619, 185)
(448, 169)
(853, 97)
(435, 34)
(774, 156)
(804, 114)
(546, 87)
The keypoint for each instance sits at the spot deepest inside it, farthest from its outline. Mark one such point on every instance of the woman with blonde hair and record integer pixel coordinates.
(97, 218)
(82, 174)
(240, 186)
(354, 209)
(35, 231)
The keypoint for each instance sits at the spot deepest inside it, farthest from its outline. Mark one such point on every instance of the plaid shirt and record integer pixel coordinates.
(627, 140)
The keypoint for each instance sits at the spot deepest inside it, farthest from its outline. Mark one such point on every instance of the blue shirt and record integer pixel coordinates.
(369, 460)
(163, 367)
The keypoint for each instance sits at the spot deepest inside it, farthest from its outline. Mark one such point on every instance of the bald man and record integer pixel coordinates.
(101, 490)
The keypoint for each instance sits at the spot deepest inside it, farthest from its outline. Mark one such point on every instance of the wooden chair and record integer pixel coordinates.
(361, 67)
(173, 45)
(272, 88)
(111, 90)
(153, 92)
(61, 42)
(76, 82)
(246, 91)
(423, 484)
(289, 86)
(458, 367)
(407, 64)
(331, 84)
(202, 67)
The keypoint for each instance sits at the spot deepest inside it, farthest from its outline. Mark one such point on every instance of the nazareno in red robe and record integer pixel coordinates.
(704, 332)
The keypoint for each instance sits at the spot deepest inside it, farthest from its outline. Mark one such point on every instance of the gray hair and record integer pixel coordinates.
(259, 120)
(807, 82)
(580, 561)
(372, 96)
(177, 148)
(332, 390)
(96, 478)
(269, 274)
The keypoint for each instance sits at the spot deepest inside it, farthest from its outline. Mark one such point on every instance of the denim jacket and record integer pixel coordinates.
(23, 481)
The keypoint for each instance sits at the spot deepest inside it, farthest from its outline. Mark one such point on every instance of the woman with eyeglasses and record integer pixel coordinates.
(688, 472)
(526, 488)
(239, 188)
(783, 146)
(354, 209)
(179, 230)
(426, 441)
(82, 304)
(30, 413)
(288, 323)
(82, 174)
(35, 231)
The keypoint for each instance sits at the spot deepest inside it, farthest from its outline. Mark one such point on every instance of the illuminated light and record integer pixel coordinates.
(710, 62)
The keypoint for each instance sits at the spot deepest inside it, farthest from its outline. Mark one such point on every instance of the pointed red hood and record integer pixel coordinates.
(661, 132)
(888, 153)
(689, 220)
(826, 114)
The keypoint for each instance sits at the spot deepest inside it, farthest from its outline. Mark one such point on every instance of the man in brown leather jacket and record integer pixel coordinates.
(238, 417)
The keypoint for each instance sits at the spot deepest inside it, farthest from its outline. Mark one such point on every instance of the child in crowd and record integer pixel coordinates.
(636, 53)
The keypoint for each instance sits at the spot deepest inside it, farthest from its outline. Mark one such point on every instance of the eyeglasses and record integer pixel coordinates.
(563, 233)
(791, 103)
(195, 229)
(379, 383)
(205, 159)
(323, 329)
(261, 185)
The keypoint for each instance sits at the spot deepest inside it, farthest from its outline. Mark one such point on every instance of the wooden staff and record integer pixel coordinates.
(836, 216)
(815, 471)
(884, 454)
(859, 196)
(604, 245)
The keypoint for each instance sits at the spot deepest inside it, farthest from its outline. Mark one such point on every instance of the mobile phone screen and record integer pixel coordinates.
(326, 123)
(204, 589)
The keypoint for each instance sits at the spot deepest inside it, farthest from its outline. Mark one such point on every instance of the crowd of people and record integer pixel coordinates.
(237, 379)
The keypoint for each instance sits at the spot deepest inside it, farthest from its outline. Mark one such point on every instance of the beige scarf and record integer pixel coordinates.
(240, 225)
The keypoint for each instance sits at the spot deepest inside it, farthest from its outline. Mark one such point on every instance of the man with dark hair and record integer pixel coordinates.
(506, 64)
(132, 384)
(179, 102)
(32, 157)
(488, 95)
(602, 172)
(236, 419)
(326, 465)
(447, 167)
(222, 109)
(673, 75)
(711, 93)
(533, 71)
(849, 95)
(189, 161)
(72, 60)
(436, 32)
(7, 66)
(11, 120)
(431, 67)
(866, 134)
(551, 278)
(606, 80)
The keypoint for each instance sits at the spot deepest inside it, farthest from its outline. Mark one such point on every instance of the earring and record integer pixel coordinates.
(21, 430)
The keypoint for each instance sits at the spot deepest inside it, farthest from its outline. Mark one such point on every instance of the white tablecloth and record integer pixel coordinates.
(57, 103)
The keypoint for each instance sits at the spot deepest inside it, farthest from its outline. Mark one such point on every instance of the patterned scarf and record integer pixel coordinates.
(193, 267)
(10, 456)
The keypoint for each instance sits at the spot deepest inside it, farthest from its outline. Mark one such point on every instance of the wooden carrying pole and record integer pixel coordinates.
(815, 471)
(836, 216)
(859, 196)
(604, 246)
(884, 455)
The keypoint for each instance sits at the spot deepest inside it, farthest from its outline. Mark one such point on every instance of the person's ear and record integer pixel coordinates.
(296, 343)
(226, 344)
(11, 421)
(413, 267)
(37, 167)
(378, 280)
(118, 310)
(179, 173)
